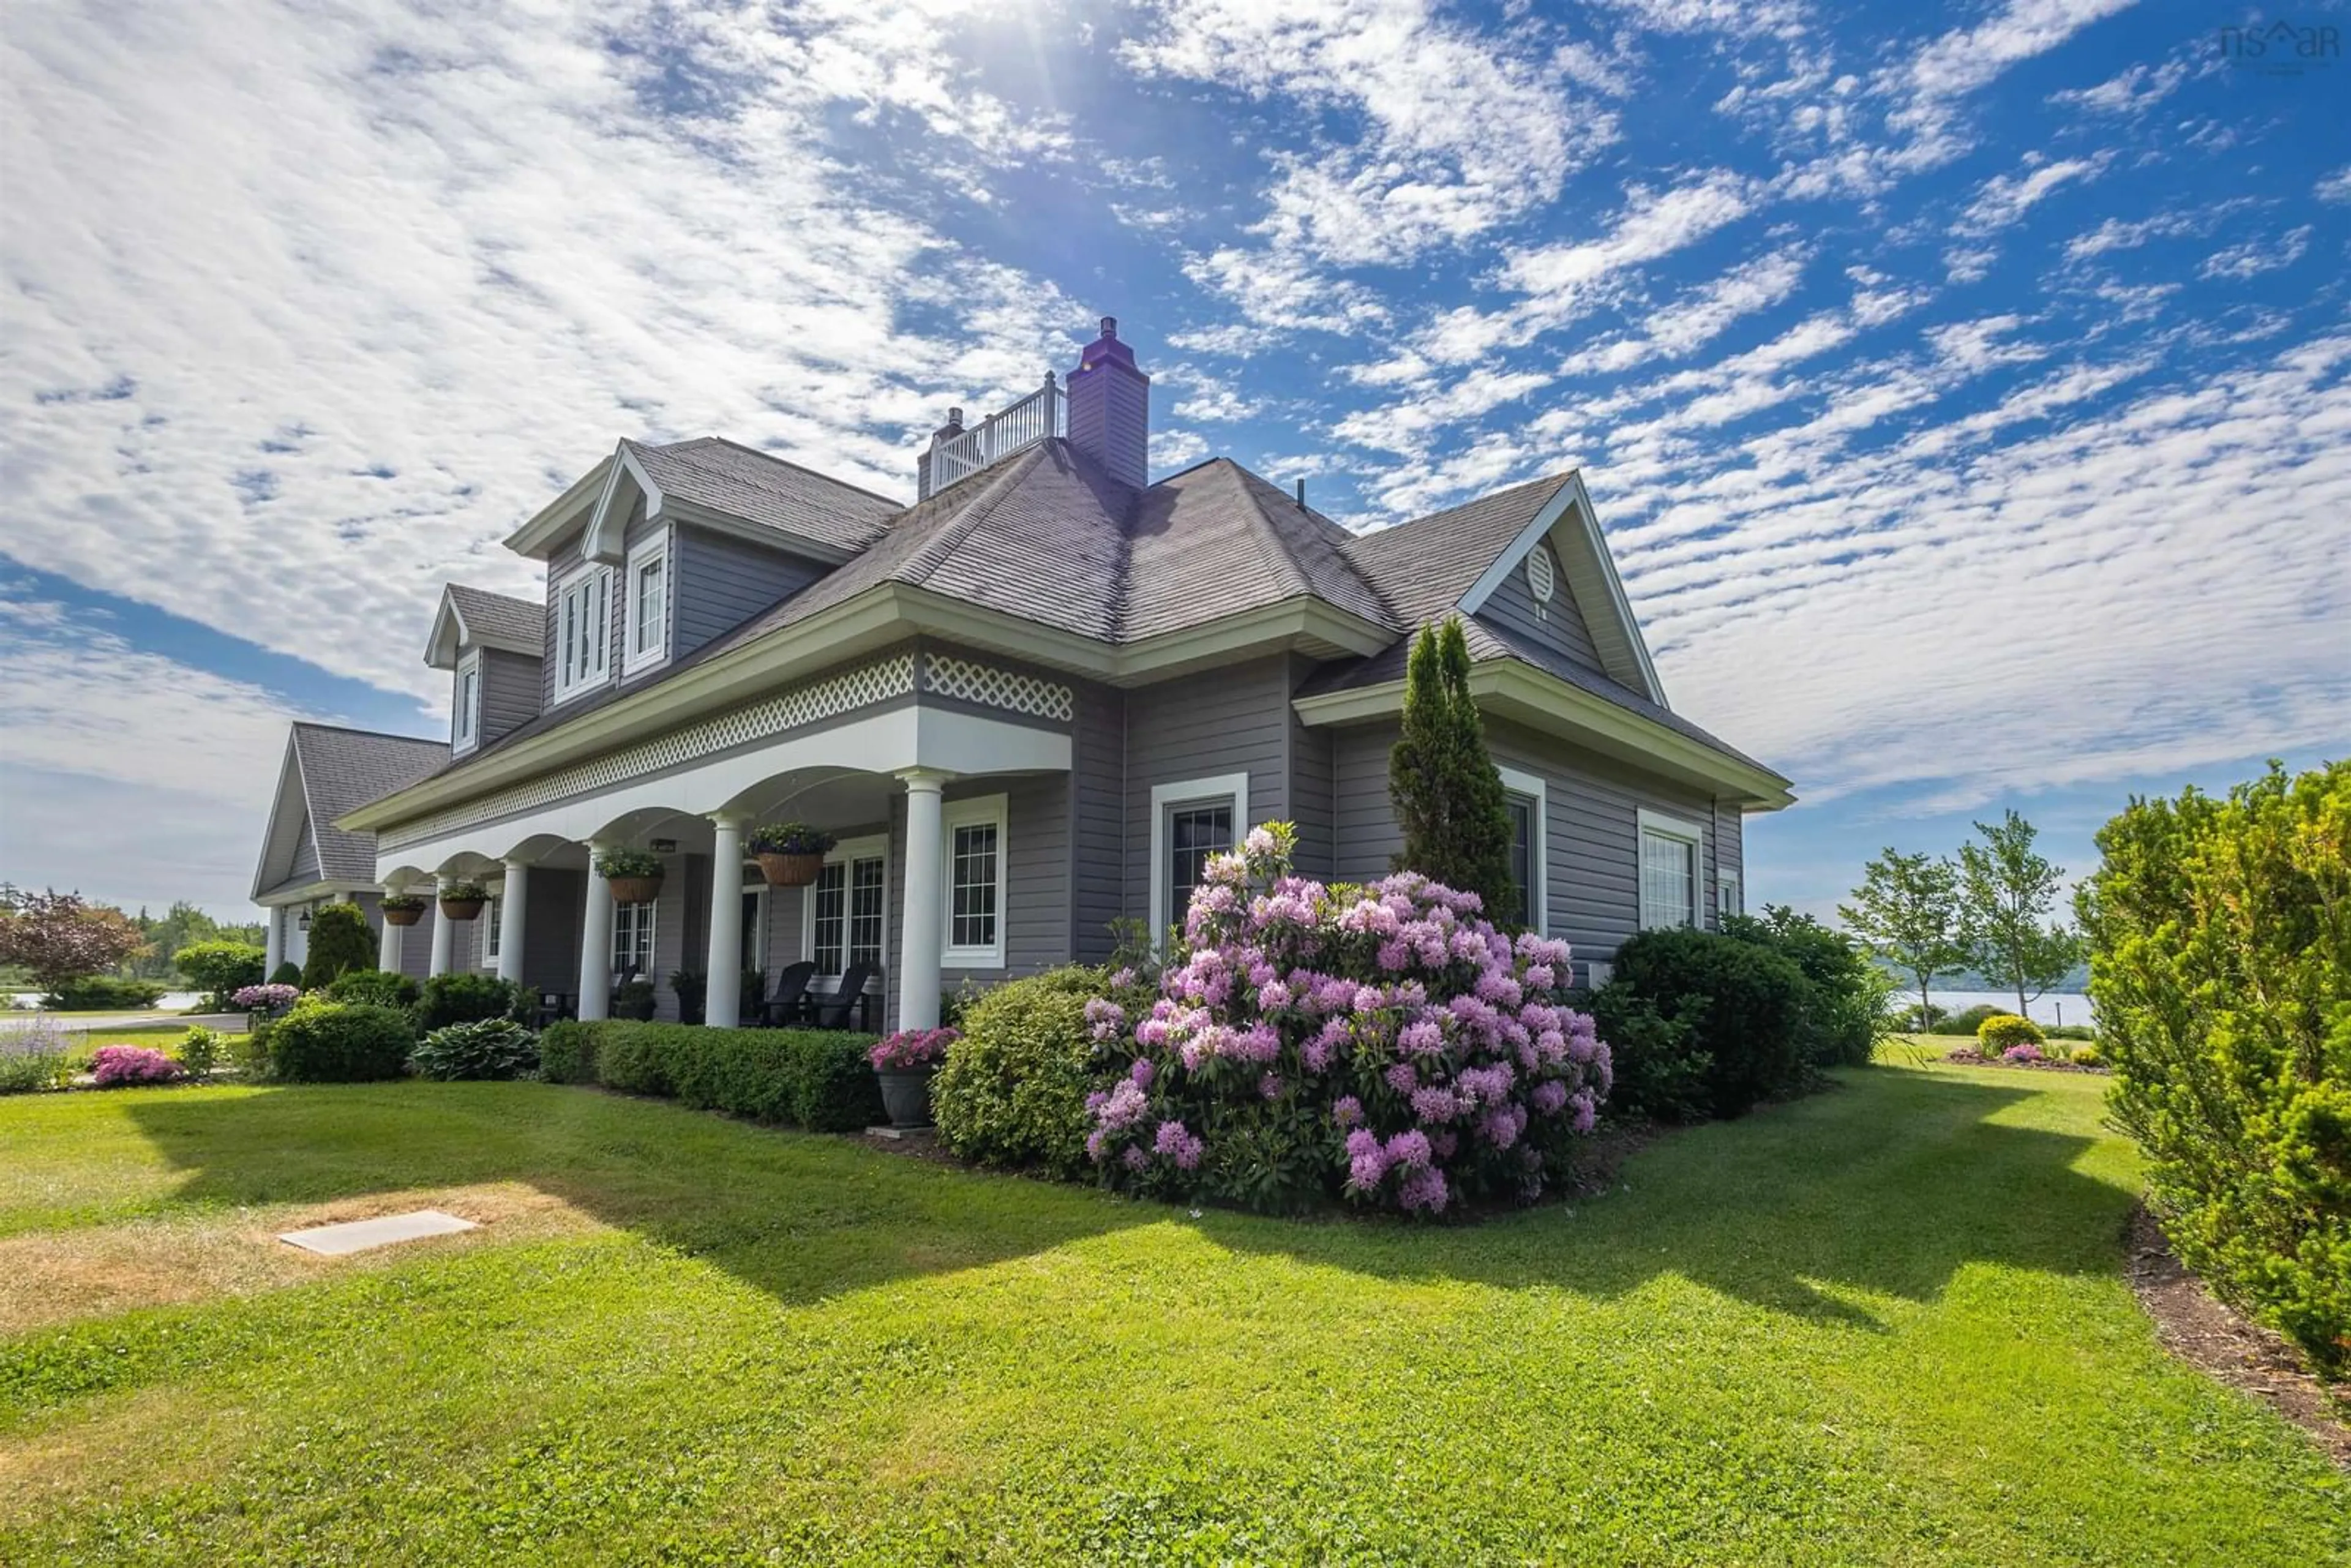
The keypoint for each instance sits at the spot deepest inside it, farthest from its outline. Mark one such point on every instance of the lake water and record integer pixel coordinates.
(171, 1001)
(2057, 1007)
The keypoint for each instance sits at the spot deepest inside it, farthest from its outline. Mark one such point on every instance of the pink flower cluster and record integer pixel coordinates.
(113, 1066)
(265, 998)
(912, 1049)
(1381, 1043)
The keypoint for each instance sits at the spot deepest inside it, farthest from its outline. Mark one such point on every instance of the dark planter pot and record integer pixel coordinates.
(790, 870)
(461, 908)
(403, 916)
(639, 1009)
(636, 889)
(906, 1096)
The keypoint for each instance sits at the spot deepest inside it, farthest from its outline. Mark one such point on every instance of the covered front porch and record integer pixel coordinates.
(951, 863)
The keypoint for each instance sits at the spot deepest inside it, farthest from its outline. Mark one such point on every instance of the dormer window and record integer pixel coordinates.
(465, 720)
(648, 605)
(584, 632)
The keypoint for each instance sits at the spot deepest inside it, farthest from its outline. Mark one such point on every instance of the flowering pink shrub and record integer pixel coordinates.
(115, 1065)
(912, 1049)
(2021, 1054)
(265, 998)
(1381, 1044)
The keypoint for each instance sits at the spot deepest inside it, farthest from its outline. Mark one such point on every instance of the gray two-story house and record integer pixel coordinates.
(1028, 705)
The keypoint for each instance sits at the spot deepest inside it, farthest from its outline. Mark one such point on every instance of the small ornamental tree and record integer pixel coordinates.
(340, 940)
(1383, 1045)
(2007, 889)
(1906, 911)
(219, 969)
(1448, 798)
(60, 937)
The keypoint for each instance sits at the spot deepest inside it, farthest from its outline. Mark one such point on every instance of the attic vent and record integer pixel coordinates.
(1541, 576)
(956, 452)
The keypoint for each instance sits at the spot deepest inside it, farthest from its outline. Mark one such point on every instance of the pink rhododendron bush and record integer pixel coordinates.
(1380, 1044)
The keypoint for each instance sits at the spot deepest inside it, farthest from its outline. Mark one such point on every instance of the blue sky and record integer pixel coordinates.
(1962, 388)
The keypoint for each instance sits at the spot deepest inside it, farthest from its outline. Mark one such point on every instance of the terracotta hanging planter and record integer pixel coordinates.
(790, 870)
(403, 914)
(634, 889)
(461, 908)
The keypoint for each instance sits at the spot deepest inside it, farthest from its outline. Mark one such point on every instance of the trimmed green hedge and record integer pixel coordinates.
(819, 1079)
(340, 1042)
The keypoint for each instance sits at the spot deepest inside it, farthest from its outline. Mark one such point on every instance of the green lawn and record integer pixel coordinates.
(1887, 1324)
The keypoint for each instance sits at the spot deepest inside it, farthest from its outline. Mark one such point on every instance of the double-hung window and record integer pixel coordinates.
(492, 925)
(584, 632)
(972, 834)
(1670, 868)
(632, 941)
(846, 906)
(1523, 797)
(1191, 823)
(647, 605)
(465, 722)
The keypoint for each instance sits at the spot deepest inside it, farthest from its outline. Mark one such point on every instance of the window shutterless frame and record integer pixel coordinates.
(1196, 796)
(646, 594)
(1669, 857)
(466, 713)
(974, 838)
(1527, 791)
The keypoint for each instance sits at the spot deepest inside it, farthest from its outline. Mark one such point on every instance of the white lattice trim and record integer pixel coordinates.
(992, 687)
(828, 698)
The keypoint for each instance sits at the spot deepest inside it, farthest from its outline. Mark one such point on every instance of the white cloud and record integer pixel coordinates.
(2005, 198)
(2336, 187)
(134, 777)
(2131, 94)
(2256, 257)
(1928, 91)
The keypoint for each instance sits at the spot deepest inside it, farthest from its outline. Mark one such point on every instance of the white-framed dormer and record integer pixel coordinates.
(1194, 820)
(648, 591)
(973, 843)
(465, 709)
(1669, 865)
(1529, 803)
(583, 631)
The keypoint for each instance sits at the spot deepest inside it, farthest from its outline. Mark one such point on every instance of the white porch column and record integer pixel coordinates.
(513, 899)
(596, 944)
(273, 939)
(722, 997)
(921, 937)
(387, 940)
(445, 937)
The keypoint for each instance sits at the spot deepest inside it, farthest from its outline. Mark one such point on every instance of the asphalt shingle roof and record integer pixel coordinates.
(1425, 566)
(500, 616)
(713, 472)
(343, 769)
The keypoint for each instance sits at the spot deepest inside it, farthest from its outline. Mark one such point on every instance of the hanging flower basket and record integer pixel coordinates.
(402, 909)
(463, 899)
(790, 854)
(635, 876)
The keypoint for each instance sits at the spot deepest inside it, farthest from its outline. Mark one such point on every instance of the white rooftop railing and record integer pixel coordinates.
(1037, 417)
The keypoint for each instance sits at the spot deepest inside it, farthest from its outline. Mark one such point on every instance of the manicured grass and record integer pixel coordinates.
(1887, 1324)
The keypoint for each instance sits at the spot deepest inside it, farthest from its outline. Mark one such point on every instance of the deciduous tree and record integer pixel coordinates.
(1906, 910)
(60, 937)
(2008, 890)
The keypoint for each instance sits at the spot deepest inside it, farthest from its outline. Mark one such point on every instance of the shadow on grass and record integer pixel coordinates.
(801, 1217)
(1888, 1186)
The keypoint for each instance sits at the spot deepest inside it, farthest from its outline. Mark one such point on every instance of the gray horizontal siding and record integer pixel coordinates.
(305, 865)
(1590, 829)
(1559, 625)
(719, 582)
(1313, 791)
(1230, 720)
(511, 691)
(1097, 821)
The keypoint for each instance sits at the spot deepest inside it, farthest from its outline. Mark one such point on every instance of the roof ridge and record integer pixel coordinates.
(1251, 480)
(745, 446)
(1553, 480)
(370, 733)
(928, 557)
(1271, 544)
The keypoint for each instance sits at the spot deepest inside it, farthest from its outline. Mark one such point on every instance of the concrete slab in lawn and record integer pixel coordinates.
(359, 1235)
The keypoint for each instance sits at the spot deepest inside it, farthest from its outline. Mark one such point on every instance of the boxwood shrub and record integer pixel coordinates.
(1013, 1091)
(819, 1079)
(2000, 1031)
(340, 1042)
(567, 1053)
(93, 992)
(1743, 1005)
(464, 997)
(377, 988)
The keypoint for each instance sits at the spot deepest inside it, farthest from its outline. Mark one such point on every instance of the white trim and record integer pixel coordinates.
(1730, 896)
(1649, 823)
(1551, 522)
(652, 550)
(493, 932)
(1542, 575)
(875, 846)
(1191, 792)
(571, 582)
(464, 713)
(1537, 916)
(607, 530)
(979, 811)
(652, 934)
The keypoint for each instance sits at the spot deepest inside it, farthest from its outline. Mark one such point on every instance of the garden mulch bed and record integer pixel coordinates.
(2221, 1343)
(1966, 1056)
